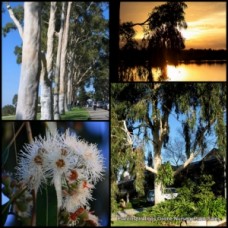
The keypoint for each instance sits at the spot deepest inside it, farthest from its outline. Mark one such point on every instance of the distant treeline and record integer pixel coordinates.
(135, 56)
(202, 54)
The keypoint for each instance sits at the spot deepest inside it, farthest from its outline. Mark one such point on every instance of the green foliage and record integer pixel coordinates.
(165, 174)
(14, 101)
(114, 191)
(194, 200)
(18, 53)
(8, 110)
(138, 171)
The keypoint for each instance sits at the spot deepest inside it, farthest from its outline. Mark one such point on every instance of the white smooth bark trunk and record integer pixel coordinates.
(30, 69)
(69, 89)
(57, 67)
(157, 186)
(63, 61)
(46, 85)
(160, 128)
(45, 92)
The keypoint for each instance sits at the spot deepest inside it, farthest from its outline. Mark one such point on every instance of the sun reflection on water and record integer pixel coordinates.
(176, 74)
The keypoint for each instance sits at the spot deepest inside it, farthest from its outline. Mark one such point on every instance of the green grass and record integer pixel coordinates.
(132, 223)
(74, 114)
(8, 117)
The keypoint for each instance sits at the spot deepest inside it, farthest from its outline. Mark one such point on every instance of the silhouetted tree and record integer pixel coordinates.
(162, 36)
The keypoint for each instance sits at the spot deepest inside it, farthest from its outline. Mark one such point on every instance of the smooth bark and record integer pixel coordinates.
(57, 67)
(30, 69)
(62, 87)
(46, 83)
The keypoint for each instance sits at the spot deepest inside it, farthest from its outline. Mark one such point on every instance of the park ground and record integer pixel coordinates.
(77, 114)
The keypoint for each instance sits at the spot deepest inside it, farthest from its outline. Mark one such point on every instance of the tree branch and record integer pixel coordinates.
(16, 22)
(128, 133)
(151, 169)
(187, 162)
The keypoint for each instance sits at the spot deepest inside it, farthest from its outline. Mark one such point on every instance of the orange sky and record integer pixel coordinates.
(206, 22)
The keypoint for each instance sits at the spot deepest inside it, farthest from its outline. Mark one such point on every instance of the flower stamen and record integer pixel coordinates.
(73, 175)
(60, 163)
(38, 160)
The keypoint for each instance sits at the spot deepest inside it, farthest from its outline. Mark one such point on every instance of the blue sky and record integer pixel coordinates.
(175, 127)
(10, 69)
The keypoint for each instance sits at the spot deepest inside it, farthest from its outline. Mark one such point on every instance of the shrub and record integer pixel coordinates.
(194, 200)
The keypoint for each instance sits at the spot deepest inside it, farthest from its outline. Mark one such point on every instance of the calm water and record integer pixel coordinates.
(182, 72)
(195, 72)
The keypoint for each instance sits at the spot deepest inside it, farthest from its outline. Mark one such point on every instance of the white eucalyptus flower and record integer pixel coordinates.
(30, 165)
(89, 157)
(79, 197)
(72, 165)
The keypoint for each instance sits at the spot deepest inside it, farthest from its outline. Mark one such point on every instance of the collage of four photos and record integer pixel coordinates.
(114, 113)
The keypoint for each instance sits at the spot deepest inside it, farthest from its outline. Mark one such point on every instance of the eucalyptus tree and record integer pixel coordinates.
(146, 109)
(30, 70)
(88, 35)
(63, 68)
(16, 15)
(163, 33)
(57, 65)
(47, 68)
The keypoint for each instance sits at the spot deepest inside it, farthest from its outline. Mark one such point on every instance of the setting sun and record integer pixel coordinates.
(190, 34)
(175, 74)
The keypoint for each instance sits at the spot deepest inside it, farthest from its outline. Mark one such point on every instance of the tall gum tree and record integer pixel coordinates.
(47, 68)
(30, 70)
(57, 66)
(147, 108)
(63, 68)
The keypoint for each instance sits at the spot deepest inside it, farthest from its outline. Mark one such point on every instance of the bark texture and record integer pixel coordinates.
(57, 67)
(30, 69)
(46, 85)
(62, 87)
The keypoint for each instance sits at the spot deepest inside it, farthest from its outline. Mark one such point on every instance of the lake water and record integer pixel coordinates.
(195, 72)
(189, 72)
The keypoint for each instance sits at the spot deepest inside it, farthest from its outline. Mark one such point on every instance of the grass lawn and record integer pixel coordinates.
(74, 114)
(132, 223)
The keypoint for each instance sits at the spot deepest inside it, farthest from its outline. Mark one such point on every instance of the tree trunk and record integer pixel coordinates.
(157, 186)
(30, 69)
(69, 89)
(63, 61)
(57, 67)
(46, 85)
(159, 131)
(45, 93)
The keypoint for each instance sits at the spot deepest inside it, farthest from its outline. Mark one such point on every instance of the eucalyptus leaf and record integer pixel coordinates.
(46, 207)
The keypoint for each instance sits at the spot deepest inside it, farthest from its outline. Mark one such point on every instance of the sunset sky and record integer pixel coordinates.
(206, 22)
